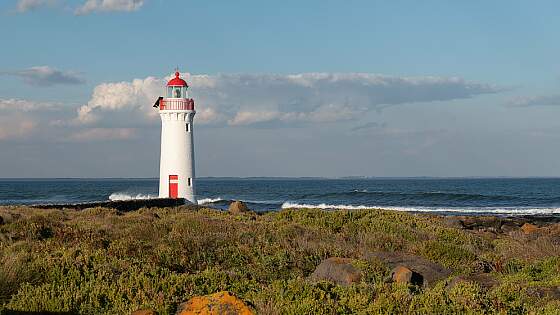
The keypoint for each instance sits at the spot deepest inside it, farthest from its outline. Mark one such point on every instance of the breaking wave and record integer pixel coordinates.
(501, 211)
(204, 201)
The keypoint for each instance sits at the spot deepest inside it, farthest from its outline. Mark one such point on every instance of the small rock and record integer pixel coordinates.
(221, 303)
(6, 218)
(430, 271)
(529, 228)
(401, 274)
(238, 207)
(144, 312)
(337, 270)
(453, 222)
(481, 266)
(485, 281)
(481, 222)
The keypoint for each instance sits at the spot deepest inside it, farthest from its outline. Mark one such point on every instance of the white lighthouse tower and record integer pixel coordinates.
(176, 168)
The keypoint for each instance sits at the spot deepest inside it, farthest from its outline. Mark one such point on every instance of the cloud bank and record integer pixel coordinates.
(91, 6)
(47, 76)
(257, 99)
(28, 5)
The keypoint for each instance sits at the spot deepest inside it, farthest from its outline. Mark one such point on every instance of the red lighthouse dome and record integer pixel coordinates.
(177, 81)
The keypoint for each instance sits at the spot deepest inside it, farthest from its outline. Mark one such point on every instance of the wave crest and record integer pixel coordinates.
(502, 211)
(209, 200)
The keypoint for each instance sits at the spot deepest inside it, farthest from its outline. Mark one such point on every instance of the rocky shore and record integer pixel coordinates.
(157, 258)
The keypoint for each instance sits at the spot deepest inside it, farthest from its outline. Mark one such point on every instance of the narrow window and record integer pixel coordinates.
(188, 127)
(189, 182)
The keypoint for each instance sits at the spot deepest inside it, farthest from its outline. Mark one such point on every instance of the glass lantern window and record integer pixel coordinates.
(177, 91)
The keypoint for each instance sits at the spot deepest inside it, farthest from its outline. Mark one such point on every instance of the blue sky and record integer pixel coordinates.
(286, 88)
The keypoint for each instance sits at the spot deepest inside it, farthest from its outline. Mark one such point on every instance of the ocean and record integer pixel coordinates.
(506, 196)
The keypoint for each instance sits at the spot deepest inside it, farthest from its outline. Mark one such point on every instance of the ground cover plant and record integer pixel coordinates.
(99, 260)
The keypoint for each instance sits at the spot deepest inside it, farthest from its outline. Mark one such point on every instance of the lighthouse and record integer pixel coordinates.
(176, 168)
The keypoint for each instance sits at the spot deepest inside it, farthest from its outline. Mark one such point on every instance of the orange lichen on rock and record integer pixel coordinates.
(529, 228)
(222, 303)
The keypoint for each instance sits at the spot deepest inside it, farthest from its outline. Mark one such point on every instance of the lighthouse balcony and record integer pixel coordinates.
(176, 104)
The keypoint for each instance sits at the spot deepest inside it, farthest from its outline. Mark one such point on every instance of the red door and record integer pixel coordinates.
(173, 186)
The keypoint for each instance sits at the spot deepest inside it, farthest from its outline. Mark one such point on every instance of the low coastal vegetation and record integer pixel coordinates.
(100, 260)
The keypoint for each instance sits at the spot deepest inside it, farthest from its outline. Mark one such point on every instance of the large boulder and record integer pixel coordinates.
(337, 270)
(221, 303)
(238, 207)
(430, 272)
(402, 274)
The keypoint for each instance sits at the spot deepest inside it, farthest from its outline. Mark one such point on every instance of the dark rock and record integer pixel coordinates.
(401, 274)
(484, 280)
(120, 205)
(337, 270)
(238, 207)
(6, 218)
(453, 222)
(473, 223)
(430, 271)
(481, 266)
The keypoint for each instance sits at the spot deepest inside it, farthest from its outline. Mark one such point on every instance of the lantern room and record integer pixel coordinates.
(177, 87)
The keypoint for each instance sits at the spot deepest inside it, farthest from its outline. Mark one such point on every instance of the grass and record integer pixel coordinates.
(101, 261)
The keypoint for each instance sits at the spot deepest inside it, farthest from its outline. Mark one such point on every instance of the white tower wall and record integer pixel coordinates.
(177, 153)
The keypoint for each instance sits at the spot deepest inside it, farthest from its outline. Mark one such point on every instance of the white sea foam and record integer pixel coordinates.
(119, 196)
(209, 200)
(504, 211)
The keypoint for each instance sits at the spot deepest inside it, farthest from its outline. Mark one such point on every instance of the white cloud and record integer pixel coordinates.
(543, 100)
(27, 5)
(47, 76)
(247, 99)
(91, 6)
(136, 97)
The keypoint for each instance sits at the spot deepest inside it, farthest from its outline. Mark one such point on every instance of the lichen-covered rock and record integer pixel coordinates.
(402, 274)
(337, 270)
(529, 228)
(221, 303)
(238, 207)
